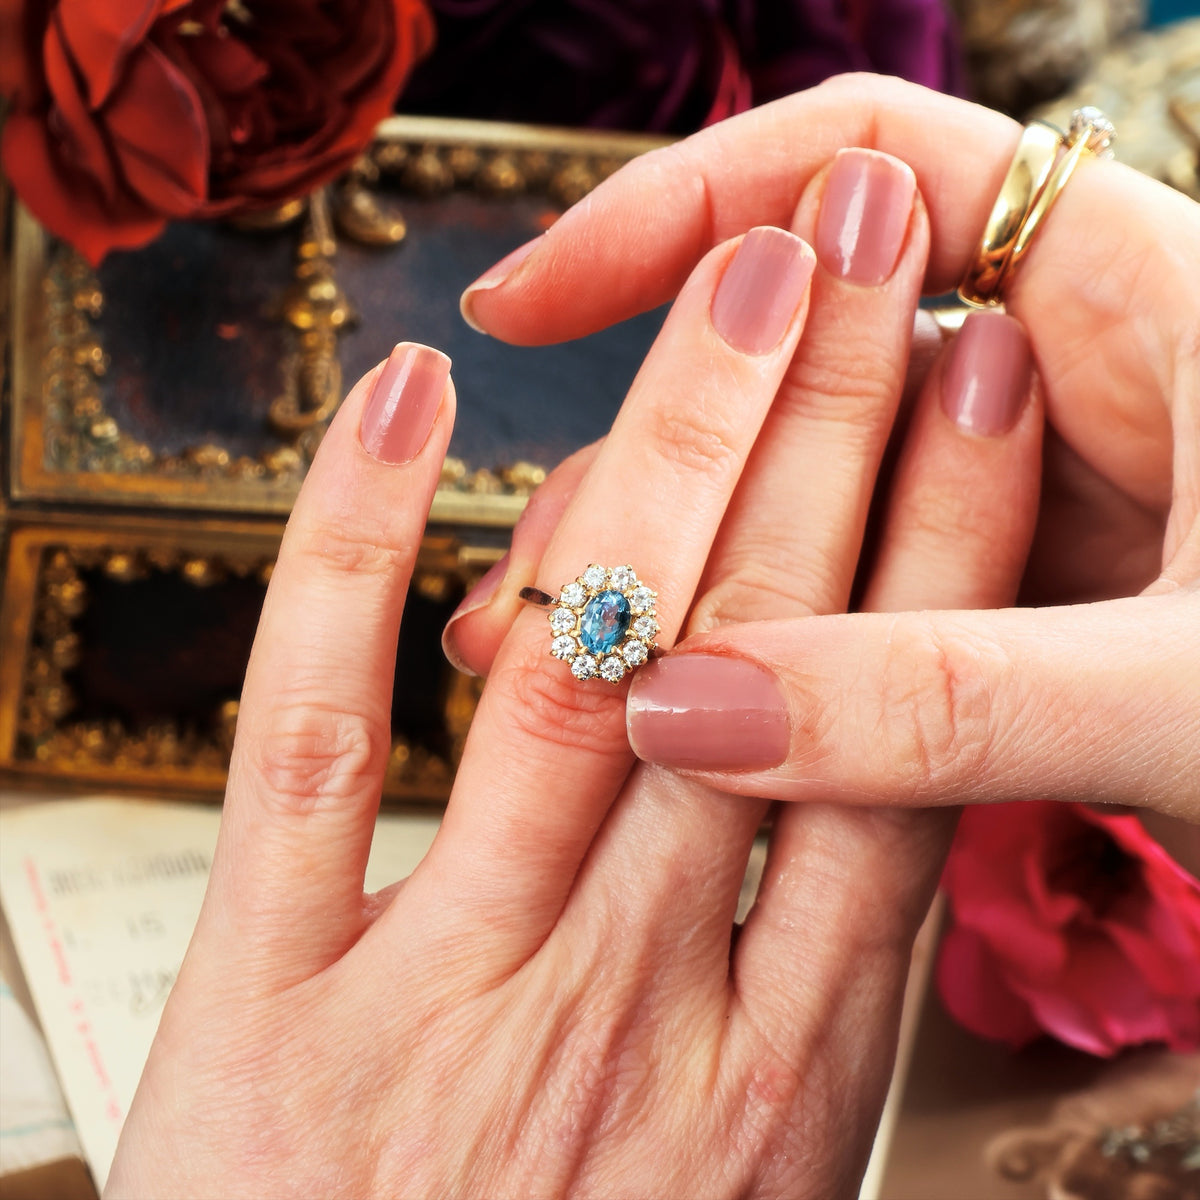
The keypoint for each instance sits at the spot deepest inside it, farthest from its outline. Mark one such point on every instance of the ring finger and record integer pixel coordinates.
(789, 544)
(547, 754)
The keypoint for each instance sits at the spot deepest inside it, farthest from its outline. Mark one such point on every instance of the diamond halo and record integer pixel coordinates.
(603, 624)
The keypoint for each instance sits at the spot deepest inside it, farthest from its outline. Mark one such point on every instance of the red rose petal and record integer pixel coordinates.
(1015, 932)
(159, 135)
(67, 205)
(367, 44)
(1070, 1021)
(1053, 905)
(226, 65)
(71, 128)
(229, 114)
(1182, 1020)
(22, 29)
(101, 36)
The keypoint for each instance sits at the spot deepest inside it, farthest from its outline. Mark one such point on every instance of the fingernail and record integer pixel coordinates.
(763, 286)
(864, 215)
(493, 277)
(986, 381)
(707, 712)
(473, 601)
(404, 402)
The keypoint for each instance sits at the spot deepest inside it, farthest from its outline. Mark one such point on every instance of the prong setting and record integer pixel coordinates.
(604, 623)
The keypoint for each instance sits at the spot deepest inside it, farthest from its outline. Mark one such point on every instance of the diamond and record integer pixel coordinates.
(562, 620)
(612, 669)
(645, 627)
(1099, 130)
(573, 595)
(603, 623)
(584, 667)
(641, 599)
(635, 653)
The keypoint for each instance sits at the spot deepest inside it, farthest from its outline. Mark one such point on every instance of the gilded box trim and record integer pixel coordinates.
(44, 596)
(58, 352)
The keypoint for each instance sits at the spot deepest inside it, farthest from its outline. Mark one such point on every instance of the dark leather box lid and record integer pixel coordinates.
(158, 379)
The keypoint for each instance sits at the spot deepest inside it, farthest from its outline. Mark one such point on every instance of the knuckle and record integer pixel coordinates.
(343, 548)
(597, 1075)
(934, 512)
(309, 756)
(866, 94)
(847, 384)
(936, 715)
(941, 523)
(756, 590)
(550, 708)
(701, 441)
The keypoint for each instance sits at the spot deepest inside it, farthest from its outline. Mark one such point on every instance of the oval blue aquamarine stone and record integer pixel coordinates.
(604, 621)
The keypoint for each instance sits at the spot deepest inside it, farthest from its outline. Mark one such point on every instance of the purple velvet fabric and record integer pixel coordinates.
(666, 65)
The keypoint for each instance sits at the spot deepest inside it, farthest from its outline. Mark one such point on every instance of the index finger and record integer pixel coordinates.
(666, 209)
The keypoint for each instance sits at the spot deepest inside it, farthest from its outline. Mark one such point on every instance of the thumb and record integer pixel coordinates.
(1091, 702)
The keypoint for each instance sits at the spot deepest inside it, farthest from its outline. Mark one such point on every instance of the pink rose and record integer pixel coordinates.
(1070, 922)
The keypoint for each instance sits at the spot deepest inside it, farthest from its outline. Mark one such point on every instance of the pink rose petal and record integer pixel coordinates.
(1071, 922)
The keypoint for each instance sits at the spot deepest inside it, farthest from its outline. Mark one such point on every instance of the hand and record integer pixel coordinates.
(1095, 701)
(549, 1004)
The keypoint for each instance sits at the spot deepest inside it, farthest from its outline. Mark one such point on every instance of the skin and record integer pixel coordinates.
(552, 1003)
(1094, 694)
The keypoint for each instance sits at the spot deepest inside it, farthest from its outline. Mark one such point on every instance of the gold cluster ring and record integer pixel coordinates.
(603, 624)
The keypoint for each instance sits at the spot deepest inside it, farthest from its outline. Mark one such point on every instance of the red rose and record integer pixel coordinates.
(1070, 922)
(129, 112)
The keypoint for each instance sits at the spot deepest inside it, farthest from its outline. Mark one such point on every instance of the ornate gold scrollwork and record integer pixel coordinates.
(48, 737)
(80, 435)
(422, 156)
(316, 308)
(431, 168)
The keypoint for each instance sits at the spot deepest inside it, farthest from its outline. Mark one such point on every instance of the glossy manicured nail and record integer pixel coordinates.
(707, 712)
(493, 277)
(404, 403)
(478, 597)
(864, 215)
(763, 286)
(986, 381)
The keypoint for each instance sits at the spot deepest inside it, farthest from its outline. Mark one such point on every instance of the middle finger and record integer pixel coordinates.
(789, 545)
(547, 753)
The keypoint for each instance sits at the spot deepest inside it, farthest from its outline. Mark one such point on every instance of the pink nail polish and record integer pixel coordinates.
(864, 215)
(403, 405)
(986, 380)
(707, 712)
(493, 277)
(484, 589)
(479, 596)
(761, 290)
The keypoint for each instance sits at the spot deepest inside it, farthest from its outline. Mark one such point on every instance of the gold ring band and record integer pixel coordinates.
(1041, 167)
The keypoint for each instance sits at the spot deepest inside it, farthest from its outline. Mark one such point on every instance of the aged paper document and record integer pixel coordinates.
(101, 897)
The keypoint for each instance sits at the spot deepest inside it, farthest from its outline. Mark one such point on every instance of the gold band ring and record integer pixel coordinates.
(1040, 169)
